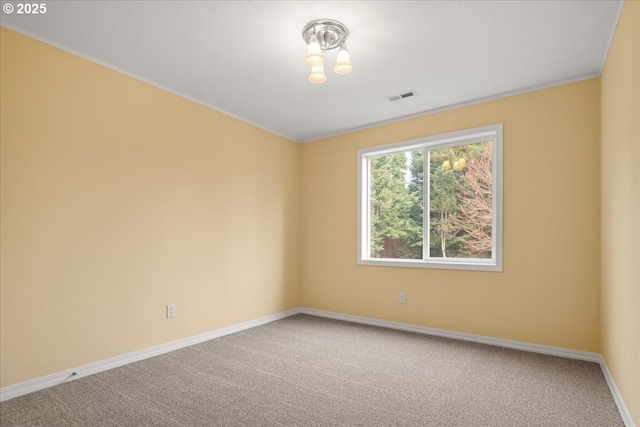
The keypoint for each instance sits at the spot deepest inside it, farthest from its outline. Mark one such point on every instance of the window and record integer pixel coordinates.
(433, 202)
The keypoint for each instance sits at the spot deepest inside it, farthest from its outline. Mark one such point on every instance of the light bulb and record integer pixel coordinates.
(343, 64)
(314, 53)
(317, 75)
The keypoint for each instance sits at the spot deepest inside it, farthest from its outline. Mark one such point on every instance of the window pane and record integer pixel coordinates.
(396, 205)
(460, 191)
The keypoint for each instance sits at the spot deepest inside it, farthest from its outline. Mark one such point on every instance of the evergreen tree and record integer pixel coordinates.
(392, 227)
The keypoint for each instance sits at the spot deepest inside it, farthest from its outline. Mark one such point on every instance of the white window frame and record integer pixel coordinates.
(464, 137)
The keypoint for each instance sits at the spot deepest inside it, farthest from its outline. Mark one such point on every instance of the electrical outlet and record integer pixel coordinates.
(401, 298)
(171, 310)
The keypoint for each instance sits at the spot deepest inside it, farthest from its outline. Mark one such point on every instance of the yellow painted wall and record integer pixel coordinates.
(620, 226)
(548, 292)
(119, 198)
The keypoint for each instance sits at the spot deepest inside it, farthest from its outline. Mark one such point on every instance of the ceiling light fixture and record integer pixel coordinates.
(322, 35)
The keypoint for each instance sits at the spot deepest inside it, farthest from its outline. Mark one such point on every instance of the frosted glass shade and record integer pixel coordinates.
(314, 54)
(343, 63)
(317, 75)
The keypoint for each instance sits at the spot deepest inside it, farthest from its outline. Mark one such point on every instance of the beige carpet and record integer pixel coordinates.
(309, 371)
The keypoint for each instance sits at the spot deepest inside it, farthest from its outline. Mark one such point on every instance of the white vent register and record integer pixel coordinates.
(403, 95)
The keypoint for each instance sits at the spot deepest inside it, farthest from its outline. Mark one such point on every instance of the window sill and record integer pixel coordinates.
(474, 265)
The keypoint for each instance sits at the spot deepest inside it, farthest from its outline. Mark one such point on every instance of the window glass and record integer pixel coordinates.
(460, 201)
(396, 205)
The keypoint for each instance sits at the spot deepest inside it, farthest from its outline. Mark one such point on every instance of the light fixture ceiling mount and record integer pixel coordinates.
(330, 34)
(322, 35)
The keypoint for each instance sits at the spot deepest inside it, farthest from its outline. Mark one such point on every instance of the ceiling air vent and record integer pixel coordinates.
(402, 95)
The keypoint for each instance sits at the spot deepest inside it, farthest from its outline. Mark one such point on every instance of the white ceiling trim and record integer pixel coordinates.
(311, 124)
(355, 129)
(136, 77)
(461, 105)
(613, 32)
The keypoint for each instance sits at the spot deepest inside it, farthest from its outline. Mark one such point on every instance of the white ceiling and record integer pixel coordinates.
(245, 58)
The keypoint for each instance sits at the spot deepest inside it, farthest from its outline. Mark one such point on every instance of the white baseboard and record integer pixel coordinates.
(624, 412)
(518, 345)
(92, 368)
(499, 342)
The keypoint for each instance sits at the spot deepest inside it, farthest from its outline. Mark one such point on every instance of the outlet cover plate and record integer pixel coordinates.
(171, 310)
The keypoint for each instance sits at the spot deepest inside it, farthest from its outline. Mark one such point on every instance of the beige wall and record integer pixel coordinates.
(119, 198)
(548, 292)
(620, 226)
